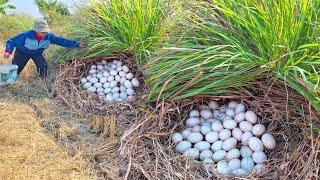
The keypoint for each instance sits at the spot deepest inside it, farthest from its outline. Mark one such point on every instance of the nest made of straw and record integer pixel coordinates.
(149, 153)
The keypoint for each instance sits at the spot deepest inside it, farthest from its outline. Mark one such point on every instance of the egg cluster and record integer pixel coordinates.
(111, 80)
(225, 138)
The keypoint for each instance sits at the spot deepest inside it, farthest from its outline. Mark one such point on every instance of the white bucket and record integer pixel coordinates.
(8, 74)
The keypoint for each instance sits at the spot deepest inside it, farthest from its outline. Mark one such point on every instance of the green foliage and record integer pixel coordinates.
(4, 5)
(52, 9)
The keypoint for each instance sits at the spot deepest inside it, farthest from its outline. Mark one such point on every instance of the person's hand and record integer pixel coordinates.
(6, 55)
(83, 44)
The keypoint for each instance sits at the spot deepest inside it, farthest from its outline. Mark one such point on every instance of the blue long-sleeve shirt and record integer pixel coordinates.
(28, 43)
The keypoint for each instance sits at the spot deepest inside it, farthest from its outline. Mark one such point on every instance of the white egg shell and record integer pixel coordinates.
(216, 146)
(226, 118)
(115, 62)
(103, 80)
(119, 64)
(204, 107)
(192, 153)
(100, 67)
(100, 91)
(202, 145)
(176, 137)
(92, 89)
(101, 94)
(196, 128)
(216, 113)
(206, 114)
(223, 108)
(129, 76)
(125, 68)
(114, 66)
(245, 138)
(123, 95)
(232, 105)
(259, 157)
(110, 78)
(104, 62)
(202, 120)
(182, 146)
(268, 141)
(231, 113)
(192, 121)
(213, 105)
(186, 133)
(245, 126)
(234, 164)
(207, 124)
(94, 80)
(239, 117)
(89, 77)
(93, 66)
(222, 116)
(237, 133)
(94, 75)
(92, 71)
(229, 124)
(117, 78)
(115, 90)
(240, 108)
(205, 129)
(113, 84)
(251, 117)
(106, 85)
(216, 126)
(258, 130)
(123, 88)
(83, 80)
(223, 168)
(245, 151)
(135, 82)
(122, 80)
(260, 168)
(229, 144)
(195, 137)
(194, 113)
(130, 91)
(211, 120)
(87, 85)
(208, 162)
(116, 95)
(122, 74)
(247, 164)
(224, 134)
(219, 155)
(128, 84)
(233, 154)
(99, 75)
(98, 85)
(106, 74)
(113, 72)
(119, 68)
(239, 172)
(107, 90)
(255, 144)
(212, 137)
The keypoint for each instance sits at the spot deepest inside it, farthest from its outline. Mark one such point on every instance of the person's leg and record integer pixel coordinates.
(41, 65)
(20, 59)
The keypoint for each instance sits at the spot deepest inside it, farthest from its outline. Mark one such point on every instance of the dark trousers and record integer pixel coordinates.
(21, 59)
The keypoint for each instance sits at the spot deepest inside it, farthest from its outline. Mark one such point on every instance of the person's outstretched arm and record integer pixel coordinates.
(65, 42)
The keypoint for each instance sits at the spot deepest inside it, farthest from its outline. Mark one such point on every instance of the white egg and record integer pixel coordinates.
(107, 67)
(122, 74)
(211, 120)
(107, 90)
(232, 105)
(130, 91)
(92, 71)
(113, 84)
(247, 164)
(117, 78)
(216, 146)
(206, 114)
(223, 168)
(222, 116)
(135, 82)
(224, 134)
(233, 154)
(83, 80)
(194, 113)
(100, 91)
(206, 124)
(113, 72)
(216, 126)
(234, 164)
(258, 130)
(231, 113)
(195, 137)
(237, 133)
(245, 138)
(213, 105)
(268, 141)
(239, 172)
(223, 108)
(240, 108)
(93, 66)
(99, 75)
(104, 62)
(202, 120)
(191, 153)
(115, 62)
(129, 76)
(94, 80)
(122, 80)
(196, 128)
(219, 155)
(176, 137)
(229, 124)
(98, 85)
(94, 75)
(204, 107)
(202, 145)
(116, 95)
(114, 66)
(229, 144)
(239, 117)
(259, 157)
(245, 151)
(123, 88)
(205, 154)
(103, 80)
(87, 85)
(186, 133)
(205, 129)
(119, 64)
(251, 117)
(106, 74)
(226, 118)
(125, 68)
(208, 162)
(100, 67)
(89, 77)
(255, 144)
(192, 121)
(212, 137)
(260, 168)
(115, 90)
(101, 94)
(216, 113)
(119, 68)
(106, 85)
(182, 146)
(110, 78)
(92, 89)
(245, 126)
(128, 84)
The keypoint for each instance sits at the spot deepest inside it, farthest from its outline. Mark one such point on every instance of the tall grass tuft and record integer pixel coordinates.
(230, 44)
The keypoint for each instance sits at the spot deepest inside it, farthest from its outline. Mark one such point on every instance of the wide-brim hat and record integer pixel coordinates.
(41, 26)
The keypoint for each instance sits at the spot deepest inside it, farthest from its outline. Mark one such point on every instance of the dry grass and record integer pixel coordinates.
(28, 153)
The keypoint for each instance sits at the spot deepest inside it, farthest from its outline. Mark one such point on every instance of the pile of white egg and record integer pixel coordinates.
(225, 138)
(111, 80)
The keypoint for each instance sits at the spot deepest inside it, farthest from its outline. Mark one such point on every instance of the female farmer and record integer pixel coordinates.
(31, 44)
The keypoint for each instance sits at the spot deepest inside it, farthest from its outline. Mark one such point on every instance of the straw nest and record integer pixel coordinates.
(149, 153)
